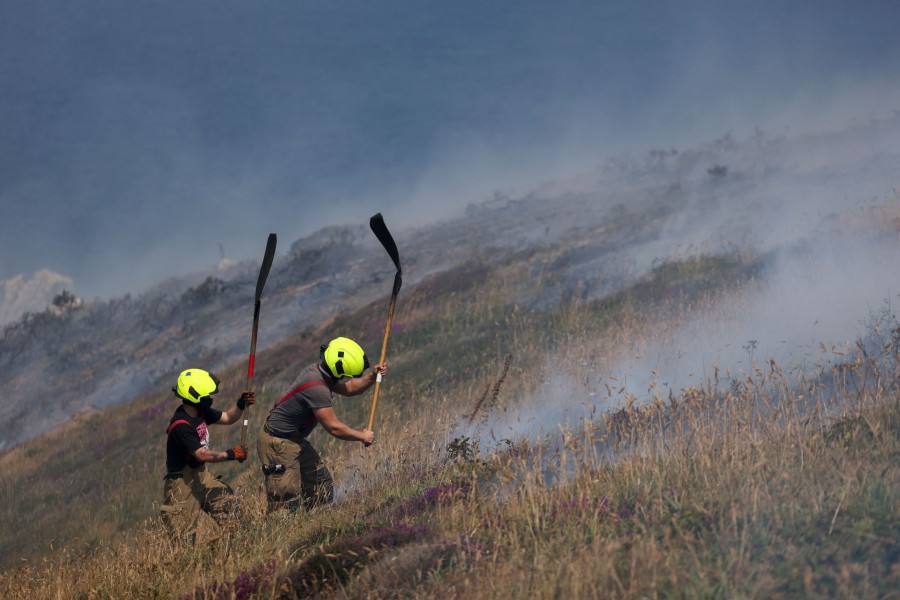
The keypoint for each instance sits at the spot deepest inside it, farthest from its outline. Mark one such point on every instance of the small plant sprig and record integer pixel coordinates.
(462, 449)
(495, 392)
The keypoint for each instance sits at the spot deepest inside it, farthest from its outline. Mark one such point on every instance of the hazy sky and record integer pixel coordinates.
(137, 136)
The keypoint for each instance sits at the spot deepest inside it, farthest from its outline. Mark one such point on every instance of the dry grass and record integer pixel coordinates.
(771, 483)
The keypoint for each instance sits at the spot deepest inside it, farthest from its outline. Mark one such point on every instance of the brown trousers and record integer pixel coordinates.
(305, 479)
(185, 498)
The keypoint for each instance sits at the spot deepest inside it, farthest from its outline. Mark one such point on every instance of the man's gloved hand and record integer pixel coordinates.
(238, 453)
(246, 399)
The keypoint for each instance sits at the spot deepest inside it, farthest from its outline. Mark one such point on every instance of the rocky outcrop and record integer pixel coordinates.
(22, 294)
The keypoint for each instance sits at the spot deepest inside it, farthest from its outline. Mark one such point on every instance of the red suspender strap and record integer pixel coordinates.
(297, 390)
(178, 422)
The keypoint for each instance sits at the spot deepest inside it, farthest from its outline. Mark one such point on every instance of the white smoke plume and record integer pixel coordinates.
(822, 213)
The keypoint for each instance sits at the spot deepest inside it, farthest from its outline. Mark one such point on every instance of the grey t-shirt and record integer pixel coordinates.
(293, 415)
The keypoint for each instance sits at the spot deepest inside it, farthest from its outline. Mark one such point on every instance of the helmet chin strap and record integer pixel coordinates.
(204, 403)
(323, 368)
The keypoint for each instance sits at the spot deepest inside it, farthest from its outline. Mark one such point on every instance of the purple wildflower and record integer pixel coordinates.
(245, 585)
(411, 506)
(398, 535)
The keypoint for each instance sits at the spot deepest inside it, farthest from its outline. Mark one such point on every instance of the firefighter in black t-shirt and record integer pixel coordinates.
(189, 488)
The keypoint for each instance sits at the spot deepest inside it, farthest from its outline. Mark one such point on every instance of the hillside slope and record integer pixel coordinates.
(548, 417)
(591, 235)
(455, 325)
(742, 488)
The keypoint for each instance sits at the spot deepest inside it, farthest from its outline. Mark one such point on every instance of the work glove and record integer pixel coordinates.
(246, 399)
(238, 453)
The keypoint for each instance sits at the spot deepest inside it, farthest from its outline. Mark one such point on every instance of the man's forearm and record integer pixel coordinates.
(345, 432)
(211, 456)
(357, 385)
(231, 416)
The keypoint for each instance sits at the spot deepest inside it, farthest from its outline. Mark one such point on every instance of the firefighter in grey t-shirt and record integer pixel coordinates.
(293, 470)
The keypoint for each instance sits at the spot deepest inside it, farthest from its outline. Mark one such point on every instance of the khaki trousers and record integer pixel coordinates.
(185, 498)
(305, 479)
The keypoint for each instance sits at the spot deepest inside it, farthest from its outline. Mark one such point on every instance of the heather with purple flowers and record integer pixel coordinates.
(409, 507)
(247, 583)
(396, 535)
(416, 505)
(337, 562)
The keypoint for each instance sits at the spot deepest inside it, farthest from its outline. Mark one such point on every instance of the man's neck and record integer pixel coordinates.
(191, 409)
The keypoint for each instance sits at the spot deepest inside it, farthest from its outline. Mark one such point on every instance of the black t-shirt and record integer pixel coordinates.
(184, 439)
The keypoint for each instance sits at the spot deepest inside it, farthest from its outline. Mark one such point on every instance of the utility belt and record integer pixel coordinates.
(292, 438)
(180, 474)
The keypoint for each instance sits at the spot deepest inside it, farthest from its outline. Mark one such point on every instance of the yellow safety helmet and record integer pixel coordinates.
(344, 358)
(195, 385)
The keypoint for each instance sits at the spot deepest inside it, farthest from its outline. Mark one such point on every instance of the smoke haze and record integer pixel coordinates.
(822, 210)
(138, 137)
